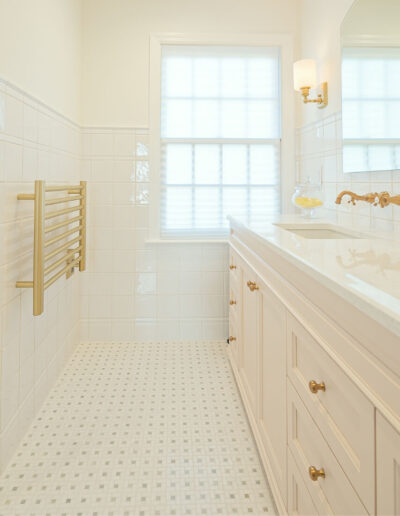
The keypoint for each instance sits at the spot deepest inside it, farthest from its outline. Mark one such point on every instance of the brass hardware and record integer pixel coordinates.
(70, 254)
(322, 98)
(38, 248)
(69, 260)
(75, 256)
(252, 285)
(315, 387)
(383, 198)
(231, 339)
(64, 211)
(64, 188)
(63, 235)
(82, 231)
(26, 197)
(232, 302)
(316, 473)
(62, 200)
(232, 267)
(66, 222)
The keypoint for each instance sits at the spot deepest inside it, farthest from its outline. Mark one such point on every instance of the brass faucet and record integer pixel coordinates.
(383, 198)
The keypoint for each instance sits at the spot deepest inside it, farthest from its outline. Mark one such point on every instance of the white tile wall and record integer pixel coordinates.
(318, 149)
(133, 290)
(35, 143)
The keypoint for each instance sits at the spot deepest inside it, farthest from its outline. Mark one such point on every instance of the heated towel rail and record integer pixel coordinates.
(46, 251)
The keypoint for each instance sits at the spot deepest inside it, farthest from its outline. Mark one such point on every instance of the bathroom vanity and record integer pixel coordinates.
(315, 348)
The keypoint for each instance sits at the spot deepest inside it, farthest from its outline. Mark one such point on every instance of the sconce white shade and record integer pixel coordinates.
(304, 74)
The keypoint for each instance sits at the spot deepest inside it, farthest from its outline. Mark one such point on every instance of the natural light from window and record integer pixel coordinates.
(220, 138)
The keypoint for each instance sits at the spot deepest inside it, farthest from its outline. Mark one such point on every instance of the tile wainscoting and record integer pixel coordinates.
(131, 290)
(35, 143)
(134, 290)
(318, 155)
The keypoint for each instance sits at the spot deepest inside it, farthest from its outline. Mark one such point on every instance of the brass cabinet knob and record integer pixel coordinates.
(232, 267)
(232, 302)
(231, 339)
(315, 387)
(252, 285)
(316, 473)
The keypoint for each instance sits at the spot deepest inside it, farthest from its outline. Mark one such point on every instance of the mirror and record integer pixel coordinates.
(370, 38)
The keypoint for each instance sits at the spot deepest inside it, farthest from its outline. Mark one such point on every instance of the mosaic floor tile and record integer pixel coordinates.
(139, 430)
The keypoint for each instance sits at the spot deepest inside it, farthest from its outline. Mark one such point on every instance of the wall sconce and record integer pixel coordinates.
(305, 79)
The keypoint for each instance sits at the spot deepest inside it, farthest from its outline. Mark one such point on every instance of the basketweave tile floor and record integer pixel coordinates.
(139, 429)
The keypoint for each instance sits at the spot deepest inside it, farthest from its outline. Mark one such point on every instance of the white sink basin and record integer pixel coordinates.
(320, 231)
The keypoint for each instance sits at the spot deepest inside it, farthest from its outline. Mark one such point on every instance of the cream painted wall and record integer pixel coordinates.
(319, 29)
(116, 45)
(364, 18)
(40, 50)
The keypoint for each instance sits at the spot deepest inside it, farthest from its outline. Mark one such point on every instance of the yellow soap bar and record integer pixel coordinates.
(308, 202)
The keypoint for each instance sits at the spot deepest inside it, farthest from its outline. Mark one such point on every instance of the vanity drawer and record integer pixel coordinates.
(333, 494)
(343, 414)
(299, 499)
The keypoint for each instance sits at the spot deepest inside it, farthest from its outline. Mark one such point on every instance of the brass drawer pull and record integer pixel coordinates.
(232, 302)
(232, 267)
(315, 387)
(231, 339)
(316, 473)
(252, 285)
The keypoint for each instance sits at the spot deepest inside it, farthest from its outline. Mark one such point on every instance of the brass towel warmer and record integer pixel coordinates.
(74, 256)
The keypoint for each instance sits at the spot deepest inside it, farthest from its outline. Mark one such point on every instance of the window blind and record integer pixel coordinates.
(371, 108)
(220, 138)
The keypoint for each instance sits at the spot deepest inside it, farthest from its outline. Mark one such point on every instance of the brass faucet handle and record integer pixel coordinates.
(384, 199)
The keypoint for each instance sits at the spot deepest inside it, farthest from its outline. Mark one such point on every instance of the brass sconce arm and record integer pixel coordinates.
(322, 98)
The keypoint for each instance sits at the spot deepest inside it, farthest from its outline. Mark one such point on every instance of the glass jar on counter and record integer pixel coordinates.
(307, 196)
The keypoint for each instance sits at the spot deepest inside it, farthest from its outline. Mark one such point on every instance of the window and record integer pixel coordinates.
(220, 138)
(371, 108)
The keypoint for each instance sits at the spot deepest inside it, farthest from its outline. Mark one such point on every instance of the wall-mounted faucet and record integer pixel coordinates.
(383, 198)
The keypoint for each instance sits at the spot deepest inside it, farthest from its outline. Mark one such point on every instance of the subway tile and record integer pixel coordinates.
(30, 123)
(13, 116)
(12, 162)
(124, 144)
(145, 283)
(146, 306)
(123, 171)
(103, 144)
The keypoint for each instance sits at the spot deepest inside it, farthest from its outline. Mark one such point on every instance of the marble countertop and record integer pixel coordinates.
(364, 271)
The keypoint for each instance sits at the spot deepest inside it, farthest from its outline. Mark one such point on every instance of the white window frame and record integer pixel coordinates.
(287, 159)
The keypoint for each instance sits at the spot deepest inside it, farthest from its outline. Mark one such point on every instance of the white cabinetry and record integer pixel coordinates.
(316, 397)
(387, 467)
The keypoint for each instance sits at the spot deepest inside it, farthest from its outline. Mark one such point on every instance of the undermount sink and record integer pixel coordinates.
(319, 231)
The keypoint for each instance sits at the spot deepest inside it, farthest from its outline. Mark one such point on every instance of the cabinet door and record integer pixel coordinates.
(300, 502)
(387, 467)
(272, 420)
(249, 362)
